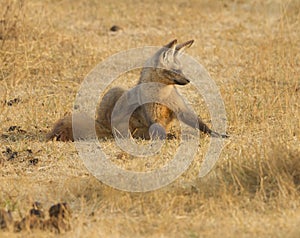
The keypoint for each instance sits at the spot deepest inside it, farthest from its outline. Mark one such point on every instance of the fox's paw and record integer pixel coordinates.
(156, 131)
(218, 135)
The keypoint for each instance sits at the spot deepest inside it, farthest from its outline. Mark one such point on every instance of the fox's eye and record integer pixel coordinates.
(177, 71)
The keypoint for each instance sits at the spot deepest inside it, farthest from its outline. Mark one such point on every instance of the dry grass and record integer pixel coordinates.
(250, 48)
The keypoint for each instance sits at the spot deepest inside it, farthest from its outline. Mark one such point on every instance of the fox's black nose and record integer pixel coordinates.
(182, 81)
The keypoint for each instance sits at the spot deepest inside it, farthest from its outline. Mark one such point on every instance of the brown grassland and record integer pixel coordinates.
(252, 51)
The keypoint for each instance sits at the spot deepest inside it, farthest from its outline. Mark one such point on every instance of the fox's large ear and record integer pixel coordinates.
(169, 52)
(171, 44)
(181, 47)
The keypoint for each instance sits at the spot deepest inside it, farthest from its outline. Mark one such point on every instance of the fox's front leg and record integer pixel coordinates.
(185, 115)
(194, 121)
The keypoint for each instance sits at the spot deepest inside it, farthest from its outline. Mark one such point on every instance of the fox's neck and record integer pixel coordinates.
(147, 76)
(164, 92)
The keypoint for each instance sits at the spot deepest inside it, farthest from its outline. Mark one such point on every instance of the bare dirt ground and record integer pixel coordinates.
(252, 51)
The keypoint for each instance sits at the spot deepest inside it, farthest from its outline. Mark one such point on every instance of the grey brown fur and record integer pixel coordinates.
(166, 69)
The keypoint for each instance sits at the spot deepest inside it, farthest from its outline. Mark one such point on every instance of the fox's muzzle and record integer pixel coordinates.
(182, 81)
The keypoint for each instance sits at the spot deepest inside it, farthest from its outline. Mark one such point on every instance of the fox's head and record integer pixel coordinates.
(166, 65)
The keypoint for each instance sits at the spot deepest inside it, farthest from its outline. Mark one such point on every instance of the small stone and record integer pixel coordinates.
(115, 28)
(5, 219)
(33, 161)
